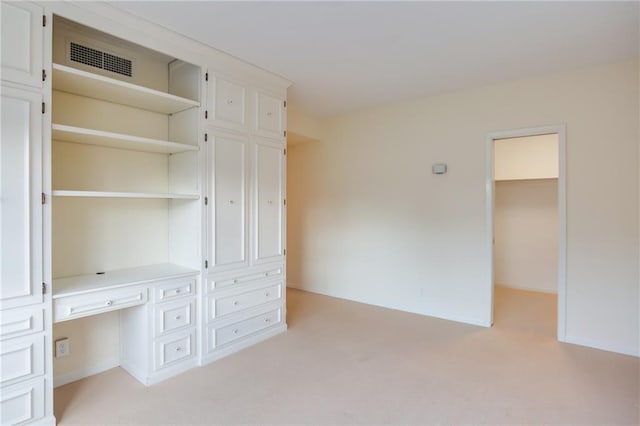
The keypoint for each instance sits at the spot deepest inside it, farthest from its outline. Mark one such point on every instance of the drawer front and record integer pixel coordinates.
(173, 349)
(67, 308)
(175, 289)
(22, 403)
(174, 315)
(20, 322)
(269, 115)
(227, 334)
(21, 358)
(244, 277)
(219, 306)
(229, 103)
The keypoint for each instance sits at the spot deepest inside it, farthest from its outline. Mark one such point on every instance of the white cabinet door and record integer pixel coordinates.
(20, 192)
(269, 119)
(268, 202)
(228, 233)
(228, 103)
(21, 43)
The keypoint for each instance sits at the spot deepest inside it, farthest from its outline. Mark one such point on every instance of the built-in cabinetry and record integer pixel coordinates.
(143, 183)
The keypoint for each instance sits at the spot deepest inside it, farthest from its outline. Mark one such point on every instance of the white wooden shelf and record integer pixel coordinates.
(108, 194)
(80, 284)
(83, 83)
(116, 140)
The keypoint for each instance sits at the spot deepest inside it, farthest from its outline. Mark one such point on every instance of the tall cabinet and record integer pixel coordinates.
(143, 202)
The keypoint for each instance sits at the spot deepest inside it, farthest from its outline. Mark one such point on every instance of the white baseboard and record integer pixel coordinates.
(535, 290)
(85, 372)
(250, 341)
(602, 346)
(293, 285)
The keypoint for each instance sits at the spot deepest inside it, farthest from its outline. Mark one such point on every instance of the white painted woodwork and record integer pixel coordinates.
(109, 194)
(221, 304)
(21, 321)
(67, 79)
(228, 173)
(97, 302)
(268, 202)
(173, 349)
(228, 100)
(172, 290)
(21, 188)
(269, 118)
(244, 276)
(117, 140)
(229, 333)
(21, 359)
(173, 316)
(21, 44)
(23, 402)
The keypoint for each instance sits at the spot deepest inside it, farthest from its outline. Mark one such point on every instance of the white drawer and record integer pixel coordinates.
(245, 277)
(71, 307)
(173, 349)
(269, 115)
(22, 403)
(229, 103)
(172, 316)
(174, 289)
(20, 322)
(219, 305)
(21, 358)
(229, 333)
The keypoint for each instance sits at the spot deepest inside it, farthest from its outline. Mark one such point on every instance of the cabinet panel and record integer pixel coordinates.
(22, 403)
(173, 316)
(22, 39)
(21, 358)
(229, 236)
(220, 305)
(269, 115)
(268, 202)
(97, 302)
(174, 348)
(21, 209)
(229, 103)
(227, 334)
(20, 322)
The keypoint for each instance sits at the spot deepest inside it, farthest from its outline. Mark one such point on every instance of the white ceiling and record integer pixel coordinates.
(343, 56)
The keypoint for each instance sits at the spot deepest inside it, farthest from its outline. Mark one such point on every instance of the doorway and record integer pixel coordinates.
(526, 238)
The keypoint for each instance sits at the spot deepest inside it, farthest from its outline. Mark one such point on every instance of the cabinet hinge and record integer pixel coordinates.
(206, 137)
(206, 201)
(285, 133)
(44, 20)
(285, 151)
(44, 75)
(284, 252)
(44, 288)
(285, 104)
(206, 264)
(43, 108)
(285, 201)
(44, 199)
(206, 76)
(206, 115)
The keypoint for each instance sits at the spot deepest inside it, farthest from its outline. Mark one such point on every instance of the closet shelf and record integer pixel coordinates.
(116, 140)
(80, 284)
(108, 194)
(83, 83)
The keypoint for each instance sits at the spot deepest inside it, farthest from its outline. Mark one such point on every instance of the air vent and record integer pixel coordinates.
(98, 59)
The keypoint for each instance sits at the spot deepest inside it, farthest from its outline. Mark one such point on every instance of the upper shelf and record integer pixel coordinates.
(95, 86)
(112, 194)
(116, 140)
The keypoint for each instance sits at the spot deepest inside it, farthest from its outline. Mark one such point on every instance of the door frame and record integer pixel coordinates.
(560, 130)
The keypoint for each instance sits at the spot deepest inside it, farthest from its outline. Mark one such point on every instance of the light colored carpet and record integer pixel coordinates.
(345, 363)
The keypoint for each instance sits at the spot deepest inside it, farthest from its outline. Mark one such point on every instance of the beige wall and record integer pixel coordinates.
(529, 157)
(526, 234)
(369, 222)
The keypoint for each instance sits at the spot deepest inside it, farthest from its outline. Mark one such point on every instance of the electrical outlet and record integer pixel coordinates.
(62, 347)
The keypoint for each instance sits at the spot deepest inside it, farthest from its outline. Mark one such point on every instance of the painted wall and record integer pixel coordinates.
(369, 222)
(531, 157)
(526, 234)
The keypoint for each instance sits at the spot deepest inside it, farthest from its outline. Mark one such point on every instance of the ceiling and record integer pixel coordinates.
(344, 56)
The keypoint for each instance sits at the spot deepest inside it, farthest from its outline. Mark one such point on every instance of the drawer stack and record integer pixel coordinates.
(169, 345)
(242, 308)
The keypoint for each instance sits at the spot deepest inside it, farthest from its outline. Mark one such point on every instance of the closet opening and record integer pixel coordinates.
(526, 211)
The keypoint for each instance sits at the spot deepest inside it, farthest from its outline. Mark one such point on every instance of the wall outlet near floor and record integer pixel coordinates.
(62, 347)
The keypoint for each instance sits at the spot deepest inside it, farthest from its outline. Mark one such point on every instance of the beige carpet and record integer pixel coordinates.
(345, 363)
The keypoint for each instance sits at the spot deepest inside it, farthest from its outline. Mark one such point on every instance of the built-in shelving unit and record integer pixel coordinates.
(111, 194)
(79, 82)
(117, 140)
(80, 284)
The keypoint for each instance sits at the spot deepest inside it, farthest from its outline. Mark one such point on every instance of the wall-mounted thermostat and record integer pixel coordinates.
(439, 169)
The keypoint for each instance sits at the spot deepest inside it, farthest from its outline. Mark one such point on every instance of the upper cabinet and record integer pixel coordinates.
(22, 39)
(269, 117)
(228, 103)
(21, 209)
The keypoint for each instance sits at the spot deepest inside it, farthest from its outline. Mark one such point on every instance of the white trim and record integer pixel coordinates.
(81, 373)
(294, 286)
(243, 344)
(602, 346)
(561, 131)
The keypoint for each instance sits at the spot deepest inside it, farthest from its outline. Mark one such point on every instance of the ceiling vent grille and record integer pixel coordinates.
(99, 59)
